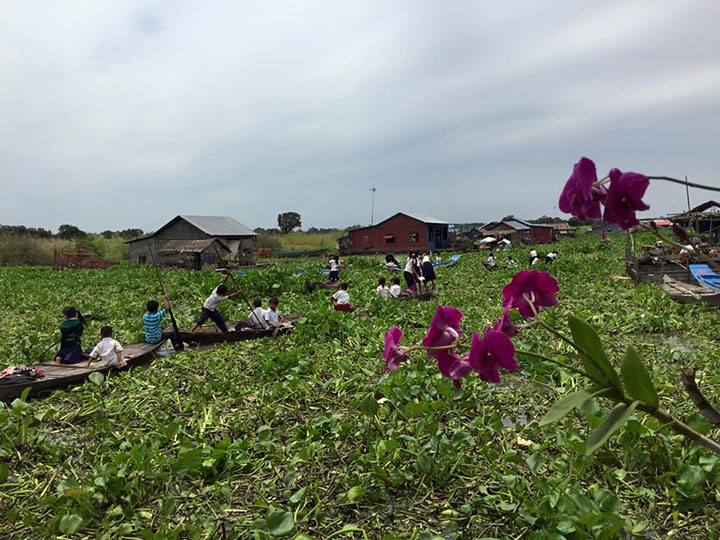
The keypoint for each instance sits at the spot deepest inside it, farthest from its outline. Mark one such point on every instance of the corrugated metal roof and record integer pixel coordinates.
(425, 218)
(219, 225)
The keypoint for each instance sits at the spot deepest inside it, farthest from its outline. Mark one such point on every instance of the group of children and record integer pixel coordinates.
(394, 291)
(419, 271)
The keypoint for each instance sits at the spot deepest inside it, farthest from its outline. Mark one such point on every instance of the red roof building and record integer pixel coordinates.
(401, 232)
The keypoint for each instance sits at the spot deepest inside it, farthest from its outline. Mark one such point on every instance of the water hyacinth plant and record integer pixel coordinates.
(630, 389)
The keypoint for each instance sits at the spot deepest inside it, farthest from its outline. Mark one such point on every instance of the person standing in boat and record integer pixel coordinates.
(71, 331)
(410, 269)
(210, 306)
(334, 265)
(428, 272)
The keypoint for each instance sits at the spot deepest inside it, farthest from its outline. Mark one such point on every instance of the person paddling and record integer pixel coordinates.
(71, 330)
(210, 306)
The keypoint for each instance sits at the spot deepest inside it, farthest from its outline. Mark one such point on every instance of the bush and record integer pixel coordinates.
(28, 251)
(268, 241)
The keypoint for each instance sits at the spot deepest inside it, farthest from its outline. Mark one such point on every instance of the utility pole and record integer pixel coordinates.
(372, 212)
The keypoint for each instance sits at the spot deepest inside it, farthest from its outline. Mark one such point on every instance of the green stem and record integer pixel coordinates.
(679, 427)
(683, 182)
(554, 361)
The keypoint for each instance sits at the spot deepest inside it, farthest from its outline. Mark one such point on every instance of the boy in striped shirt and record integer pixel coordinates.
(152, 320)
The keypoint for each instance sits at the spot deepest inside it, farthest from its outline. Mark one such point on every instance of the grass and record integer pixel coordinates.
(306, 435)
(302, 241)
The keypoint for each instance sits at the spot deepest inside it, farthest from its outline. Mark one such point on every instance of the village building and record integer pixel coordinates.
(195, 242)
(562, 230)
(519, 231)
(704, 219)
(401, 232)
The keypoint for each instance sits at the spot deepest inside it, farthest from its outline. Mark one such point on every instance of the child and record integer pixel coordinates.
(108, 350)
(428, 272)
(510, 262)
(409, 271)
(341, 299)
(382, 290)
(491, 260)
(256, 320)
(533, 256)
(395, 289)
(272, 315)
(152, 320)
(210, 306)
(71, 331)
(334, 271)
(391, 261)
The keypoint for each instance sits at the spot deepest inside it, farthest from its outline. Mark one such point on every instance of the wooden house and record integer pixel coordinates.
(401, 232)
(194, 242)
(704, 220)
(519, 231)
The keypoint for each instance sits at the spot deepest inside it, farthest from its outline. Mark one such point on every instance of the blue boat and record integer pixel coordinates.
(706, 276)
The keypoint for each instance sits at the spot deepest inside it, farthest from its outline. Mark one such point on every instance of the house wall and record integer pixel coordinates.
(372, 239)
(542, 235)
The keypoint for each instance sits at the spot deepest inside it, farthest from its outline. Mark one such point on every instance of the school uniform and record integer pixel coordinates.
(409, 271)
(533, 256)
(272, 317)
(334, 272)
(210, 311)
(71, 331)
(382, 291)
(341, 300)
(107, 350)
(428, 271)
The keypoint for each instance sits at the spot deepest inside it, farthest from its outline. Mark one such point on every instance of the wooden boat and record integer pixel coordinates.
(211, 334)
(423, 296)
(706, 276)
(65, 375)
(687, 293)
(310, 286)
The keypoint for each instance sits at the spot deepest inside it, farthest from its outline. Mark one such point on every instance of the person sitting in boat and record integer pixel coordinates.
(152, 321)
(686, 252)
(395, 288)
(334, 266)
(256, 320)
(533, 256)
(382, 290)
(108, 350)
(272, 315)
(391, 261)
(550, 257)
(428, 272)
(491, 260)
(341, 299)
(210, 306)
(438, 258)
(71, 331)
(510, 263)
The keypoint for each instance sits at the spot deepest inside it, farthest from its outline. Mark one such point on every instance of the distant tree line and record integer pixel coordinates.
(65, 232)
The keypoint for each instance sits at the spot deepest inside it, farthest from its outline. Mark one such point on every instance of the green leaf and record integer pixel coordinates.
(690, 477)
(355, 493)
(70, 523)
(4, 470)
(96, 378)
(637, 380)
(297, 496)
(567, 403)
(369, 406)
(534, 462)
(25, 393)
(595, 361)
(280, 523)
(610, 424)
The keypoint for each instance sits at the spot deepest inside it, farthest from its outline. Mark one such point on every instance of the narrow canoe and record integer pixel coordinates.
(422, 296)
(687, 293)
(211, 334)
(63, 376)
(705, 276)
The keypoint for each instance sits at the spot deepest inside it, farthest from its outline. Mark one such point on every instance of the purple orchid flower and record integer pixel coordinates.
(580, 197)
(453, 366)
(528, 286)
(491, 351)
(506, 325)
(625, 198)
(444, 329)
(394, 355)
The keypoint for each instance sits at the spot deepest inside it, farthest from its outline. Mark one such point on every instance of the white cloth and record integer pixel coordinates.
(341, 297)
(491, 260)
(426, 258)
(333, 265)
(272, 316)
(533, 253)
(687, 249)
(257, 318)
(395, 290)
(535, 261)
(510, 263)
(410, 265)
(213, 301)
(382, 290)
(107, 351)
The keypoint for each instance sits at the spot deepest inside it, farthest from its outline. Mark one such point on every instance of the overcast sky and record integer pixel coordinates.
(124, 114)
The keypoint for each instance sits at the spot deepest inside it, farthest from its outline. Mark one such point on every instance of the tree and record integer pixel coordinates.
(70, 232)
(129, 234)
(287, 221)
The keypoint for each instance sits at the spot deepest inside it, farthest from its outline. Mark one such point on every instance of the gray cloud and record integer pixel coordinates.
(125, 114)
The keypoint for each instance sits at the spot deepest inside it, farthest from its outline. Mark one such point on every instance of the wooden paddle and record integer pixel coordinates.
(176, 343)
(235, 283)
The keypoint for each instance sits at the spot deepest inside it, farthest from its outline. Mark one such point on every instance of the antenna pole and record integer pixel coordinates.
(372, 213)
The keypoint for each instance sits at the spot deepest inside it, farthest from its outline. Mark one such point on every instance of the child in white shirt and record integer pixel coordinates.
(108, 350)
(272, 315)
(395, 289)
(341, 299)
(382, 290)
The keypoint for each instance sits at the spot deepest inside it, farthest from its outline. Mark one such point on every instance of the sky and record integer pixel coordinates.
(125, 114)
